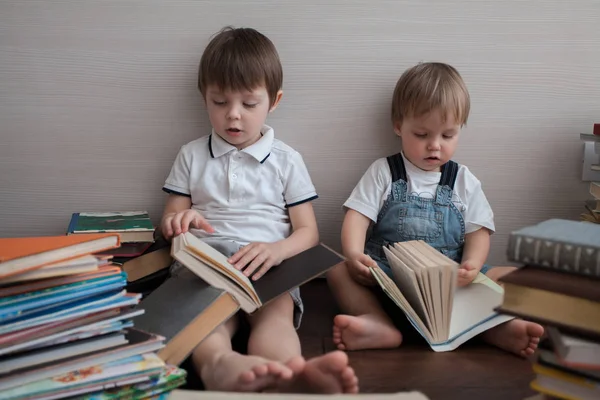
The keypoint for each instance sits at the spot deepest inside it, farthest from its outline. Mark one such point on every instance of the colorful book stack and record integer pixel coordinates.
(559, 287)
(143, 256)
(66, 324)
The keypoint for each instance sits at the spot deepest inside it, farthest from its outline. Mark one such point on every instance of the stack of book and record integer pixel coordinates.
(592, 207)
(591, 173)
(66, 323)
(559, 287)
(143, 255)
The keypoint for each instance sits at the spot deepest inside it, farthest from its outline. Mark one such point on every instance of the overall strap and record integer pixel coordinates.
(449, 174)
(396, 164)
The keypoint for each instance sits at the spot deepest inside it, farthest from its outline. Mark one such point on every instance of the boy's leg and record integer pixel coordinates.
(274, 336)
(223, 369)
(366, 326)
(515, 336)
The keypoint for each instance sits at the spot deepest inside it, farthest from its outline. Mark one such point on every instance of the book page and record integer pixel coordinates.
(473, 304)
(434, 272)
(218, 262)
(407, 282)
(390, 288)
(423, 281)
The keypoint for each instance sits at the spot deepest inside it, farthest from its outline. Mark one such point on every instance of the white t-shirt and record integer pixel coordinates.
(373, 189)
(244, 195)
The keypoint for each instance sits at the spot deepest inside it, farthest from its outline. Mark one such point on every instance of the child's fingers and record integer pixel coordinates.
(247, 258)
(200, 223)
(255, 264)
(240, 253)
(176, 223)
(266, 266)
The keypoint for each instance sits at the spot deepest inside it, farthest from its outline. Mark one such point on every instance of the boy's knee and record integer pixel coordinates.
(280, 309)
(338, 273)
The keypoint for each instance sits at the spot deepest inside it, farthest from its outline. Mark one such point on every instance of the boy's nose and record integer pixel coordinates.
(434, 145)
(233, 113)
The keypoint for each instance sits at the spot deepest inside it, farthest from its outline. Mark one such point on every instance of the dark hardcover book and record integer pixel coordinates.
(562, 245)
(212, 267)
(184, 310)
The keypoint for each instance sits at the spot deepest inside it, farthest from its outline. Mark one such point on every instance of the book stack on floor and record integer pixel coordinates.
(66, 323)
(591, 174)
(559, 287)
(592, 207)
(143, 254)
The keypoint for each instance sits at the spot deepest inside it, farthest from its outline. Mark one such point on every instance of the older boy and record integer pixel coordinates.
(249, 195)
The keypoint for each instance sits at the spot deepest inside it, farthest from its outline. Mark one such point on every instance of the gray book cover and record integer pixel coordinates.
(564, 245)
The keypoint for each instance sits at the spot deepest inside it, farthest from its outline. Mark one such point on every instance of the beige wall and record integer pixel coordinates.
(96, 97)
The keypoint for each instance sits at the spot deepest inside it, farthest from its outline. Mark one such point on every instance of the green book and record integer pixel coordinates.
(133, 226)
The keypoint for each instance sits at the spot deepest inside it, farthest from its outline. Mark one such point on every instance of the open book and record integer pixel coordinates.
(425, 288)
(212, 267)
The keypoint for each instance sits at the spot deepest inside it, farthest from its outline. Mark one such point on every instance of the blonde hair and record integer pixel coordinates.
(431, 86)
(240, 58)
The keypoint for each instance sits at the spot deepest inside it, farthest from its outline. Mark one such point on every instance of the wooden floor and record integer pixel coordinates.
(474, 371)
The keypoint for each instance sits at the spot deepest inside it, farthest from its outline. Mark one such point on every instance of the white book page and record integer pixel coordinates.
(406, 282)
(423, 278)
(390, 288)
(473, 304)
(434, 272)
(213, 258)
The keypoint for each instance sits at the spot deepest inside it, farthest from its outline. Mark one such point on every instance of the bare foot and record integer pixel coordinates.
(364, 332)
(329, 373)
(515, 336)
(234, 372)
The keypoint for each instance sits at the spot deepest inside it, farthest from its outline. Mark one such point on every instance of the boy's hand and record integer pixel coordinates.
(358, 268)
(466, 273)
(176, 223)
(249, 258)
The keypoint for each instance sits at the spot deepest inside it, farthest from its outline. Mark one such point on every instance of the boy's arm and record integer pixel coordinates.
(179, 216)
(475, 252)
(305, 235)
(354, 234)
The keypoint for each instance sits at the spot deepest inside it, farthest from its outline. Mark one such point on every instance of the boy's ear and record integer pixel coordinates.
(398, 128)
(277, 100)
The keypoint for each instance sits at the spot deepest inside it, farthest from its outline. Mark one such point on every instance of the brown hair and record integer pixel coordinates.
(428, 87)
(238, 59)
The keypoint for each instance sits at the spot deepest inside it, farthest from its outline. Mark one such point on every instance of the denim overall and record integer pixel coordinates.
(405, 217)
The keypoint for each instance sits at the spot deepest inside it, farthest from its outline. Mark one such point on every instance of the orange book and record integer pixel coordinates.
(18, 255)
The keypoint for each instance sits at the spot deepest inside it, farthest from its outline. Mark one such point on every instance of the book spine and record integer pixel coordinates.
(73, 223)
(564, 257)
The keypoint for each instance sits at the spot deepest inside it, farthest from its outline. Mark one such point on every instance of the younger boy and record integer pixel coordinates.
(249, 195)
(418, 194)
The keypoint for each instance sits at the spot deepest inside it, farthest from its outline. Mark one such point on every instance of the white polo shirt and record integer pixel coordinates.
(373, 189)
(243, 194)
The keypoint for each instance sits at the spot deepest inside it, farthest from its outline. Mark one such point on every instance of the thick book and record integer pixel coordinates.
(571, 302)
(564, 385)
(20, 255)
(206, 395)
(184, 310)
(212, 267)
(424, 286)
(132, 226)
(573, 350)
(559, 244)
